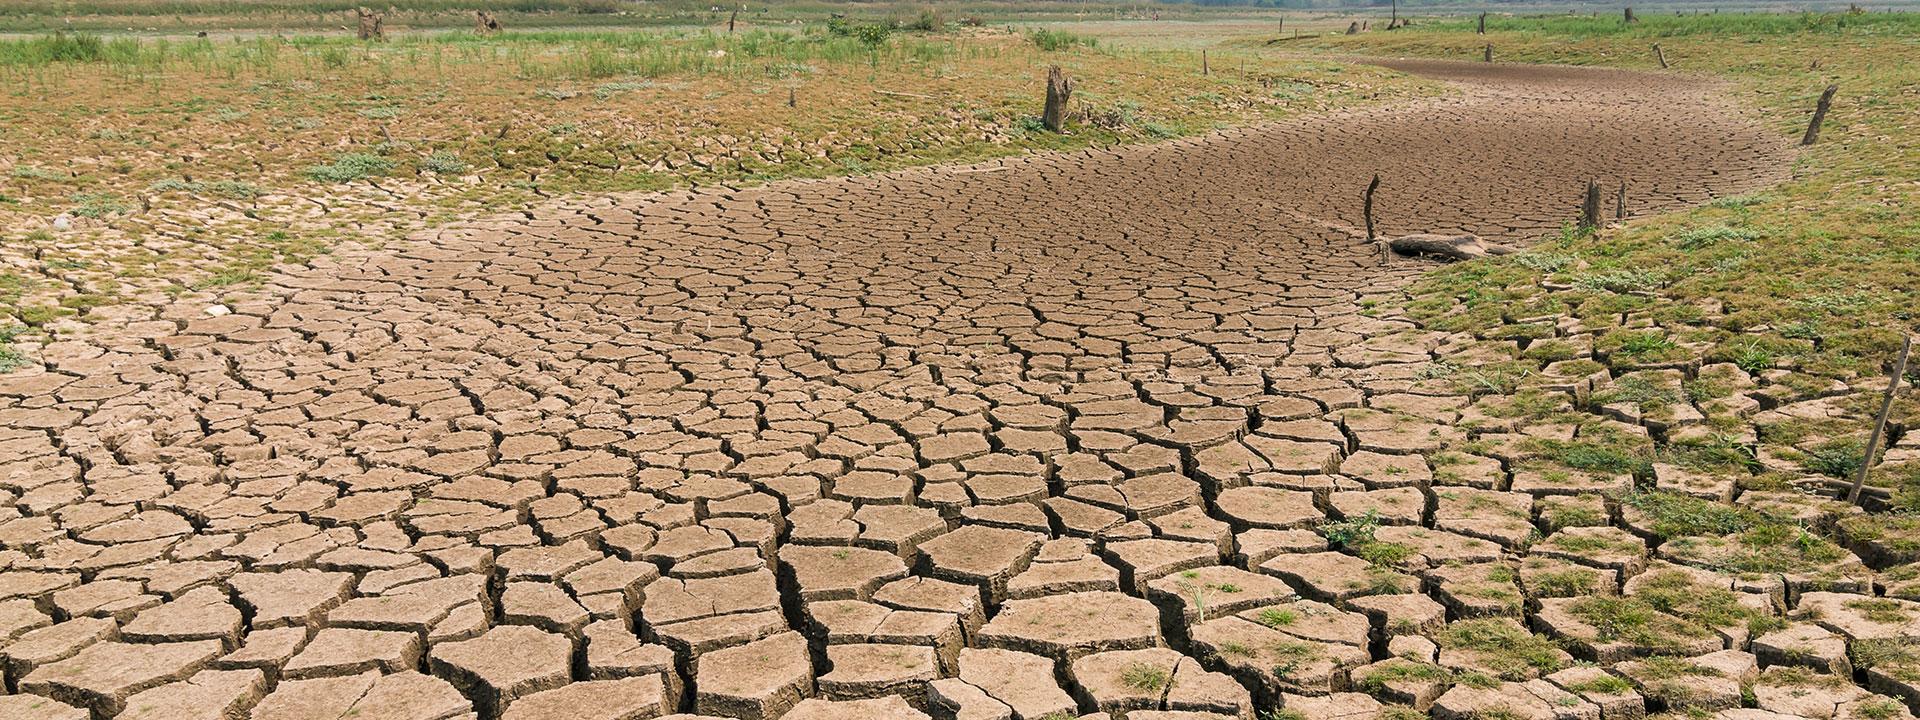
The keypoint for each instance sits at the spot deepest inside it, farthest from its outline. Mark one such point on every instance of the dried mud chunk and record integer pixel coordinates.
(839, 573)
(1336, 576)
(343, 651)
(290, 597)
(369, 695)
(1269, 508)
(103, 675)
(34, 707)
(982, 556)
(758, 680)
(634, 697)
(504, 664)
(1023, 681)
(887, 708)
(1074, 624)
(1201, 594)
(864, 670)
(207, 695)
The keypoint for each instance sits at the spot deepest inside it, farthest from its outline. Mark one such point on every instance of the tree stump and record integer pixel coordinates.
(1819, 116)
(371, 24)
(1630, 19)
(1483, 24)
(1353, 28)
(1488, 56)
(1366, 205)
(1620, 202)
(1590, 210)
(1059, 92)
(484, 23)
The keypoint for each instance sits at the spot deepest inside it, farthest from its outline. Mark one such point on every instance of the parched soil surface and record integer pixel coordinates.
(1030, 439)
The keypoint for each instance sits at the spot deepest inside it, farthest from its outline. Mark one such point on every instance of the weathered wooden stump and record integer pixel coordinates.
(1059, 92)
(1488, 55)
(1590, 209)
(1366, 205)
(372, 24)
(1483, 24)
(1819, 116)
(484, 23)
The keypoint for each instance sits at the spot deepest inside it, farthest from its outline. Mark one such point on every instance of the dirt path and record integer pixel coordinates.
(1008, 406)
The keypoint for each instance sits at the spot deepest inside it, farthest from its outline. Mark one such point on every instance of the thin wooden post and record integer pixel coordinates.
(1620, 202)
(1205, 69)
(1488, 57)
(1660, 55)
(792, 101)
(1590, 209)
(1880, 423)
(1059, 91)
(731, 19)
(1819, 115)
(1283, 26)
(1366, 205)
(1394, 19)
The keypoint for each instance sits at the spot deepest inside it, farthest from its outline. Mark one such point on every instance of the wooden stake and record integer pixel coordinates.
(1660, 55)
(1819, 115)
(731, 18)
(1059, 91)
(1366, 205)
(1880, 423)
(1483, 24)
(791, 100)
(1205, 69)
(1620, 202)
(1590, 210)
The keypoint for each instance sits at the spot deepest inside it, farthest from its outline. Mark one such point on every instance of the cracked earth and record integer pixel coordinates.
(1030, 439)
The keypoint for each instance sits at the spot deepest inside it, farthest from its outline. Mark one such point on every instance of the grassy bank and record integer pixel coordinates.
(1806, 289)
(139, 168)
(188, 16)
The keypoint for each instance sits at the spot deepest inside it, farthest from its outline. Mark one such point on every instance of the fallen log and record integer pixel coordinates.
(1458, 247)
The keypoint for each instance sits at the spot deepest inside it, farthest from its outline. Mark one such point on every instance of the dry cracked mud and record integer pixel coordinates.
(1030, 439)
